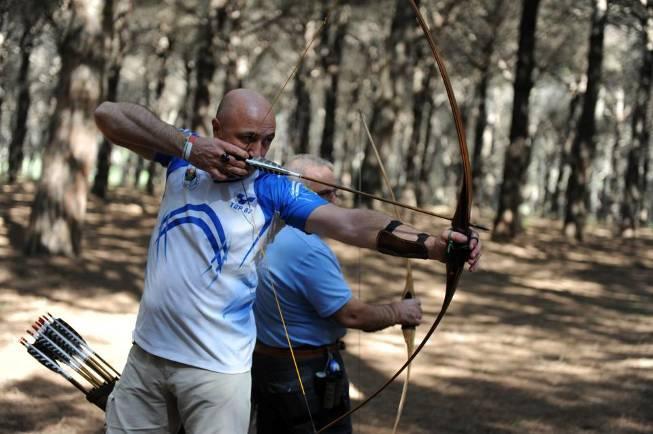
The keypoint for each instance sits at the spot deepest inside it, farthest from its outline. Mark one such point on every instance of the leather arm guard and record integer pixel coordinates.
(390, 244)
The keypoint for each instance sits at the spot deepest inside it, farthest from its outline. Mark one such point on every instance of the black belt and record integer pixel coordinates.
(304, 351)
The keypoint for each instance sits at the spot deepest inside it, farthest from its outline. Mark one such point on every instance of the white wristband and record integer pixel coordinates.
(188, 147)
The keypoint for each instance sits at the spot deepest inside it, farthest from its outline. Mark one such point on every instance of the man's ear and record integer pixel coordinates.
(217, 127)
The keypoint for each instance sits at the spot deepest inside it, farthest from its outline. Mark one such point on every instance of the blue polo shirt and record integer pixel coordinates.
(306, 275)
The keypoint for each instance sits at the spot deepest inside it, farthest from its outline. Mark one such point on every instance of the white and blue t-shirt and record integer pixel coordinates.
(201, 279)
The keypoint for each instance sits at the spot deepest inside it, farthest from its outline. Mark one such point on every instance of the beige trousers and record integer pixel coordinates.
(156, 395)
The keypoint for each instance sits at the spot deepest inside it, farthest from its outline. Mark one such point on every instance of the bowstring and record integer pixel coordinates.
(292, 356)
(409, 337)
(276, 298)
(357, 203)
(293, 72)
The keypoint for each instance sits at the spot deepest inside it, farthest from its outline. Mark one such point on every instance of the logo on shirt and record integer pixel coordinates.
(190, 178)
(243, 203)
(244, 200)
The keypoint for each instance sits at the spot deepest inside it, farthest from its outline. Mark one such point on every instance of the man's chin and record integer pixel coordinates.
(232, 178)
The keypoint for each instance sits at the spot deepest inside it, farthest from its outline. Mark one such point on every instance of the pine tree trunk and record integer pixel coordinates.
(334, 45)
(563, 161)
(23, 102)
(418, 140)
(300, 125)
(635, 179)
(4, 52)
(507, 223)
(479, 131)
(391, 93)
(59, 206)
(430, 152)
(229, 24)
(151, 176)
(205, 66)
(184, 116)
(584, 145)
(351, 143)
(138, 168)
(381, 125)
(204, 70)
(163, 55)
(609, 187)
(116, 34)
(219, 23)
(101, 180)
(495, 19)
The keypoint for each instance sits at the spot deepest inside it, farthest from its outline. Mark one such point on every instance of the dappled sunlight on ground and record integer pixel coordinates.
(550, 337)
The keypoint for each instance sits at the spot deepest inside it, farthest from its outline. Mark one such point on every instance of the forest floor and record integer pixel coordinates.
(549, 337)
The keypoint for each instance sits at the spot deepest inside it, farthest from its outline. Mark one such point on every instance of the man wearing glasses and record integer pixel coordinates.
(302, 272)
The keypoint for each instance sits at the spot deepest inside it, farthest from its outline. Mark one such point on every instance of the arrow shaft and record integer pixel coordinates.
(272, 167)
(383, 199)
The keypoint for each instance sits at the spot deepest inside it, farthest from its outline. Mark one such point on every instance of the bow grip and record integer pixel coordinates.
(407, 296)
(458, 253)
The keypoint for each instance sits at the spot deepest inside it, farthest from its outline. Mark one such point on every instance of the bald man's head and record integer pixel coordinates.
(240, 102)
(244, 118)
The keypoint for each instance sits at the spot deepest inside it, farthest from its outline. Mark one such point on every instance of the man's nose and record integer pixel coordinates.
(255, 149)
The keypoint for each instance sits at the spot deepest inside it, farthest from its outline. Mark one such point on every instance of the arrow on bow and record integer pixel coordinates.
(276, 168)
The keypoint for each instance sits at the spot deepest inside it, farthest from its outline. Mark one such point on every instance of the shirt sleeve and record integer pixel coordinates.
(291, 199)
(325, 288)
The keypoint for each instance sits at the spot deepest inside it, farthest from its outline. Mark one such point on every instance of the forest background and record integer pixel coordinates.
(556, 99)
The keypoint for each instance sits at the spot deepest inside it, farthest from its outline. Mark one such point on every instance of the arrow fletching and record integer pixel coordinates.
(46, 361)
(43, 358)
(270, 167)
(65, 329)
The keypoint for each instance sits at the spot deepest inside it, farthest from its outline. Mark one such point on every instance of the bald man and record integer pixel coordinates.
(195, 330)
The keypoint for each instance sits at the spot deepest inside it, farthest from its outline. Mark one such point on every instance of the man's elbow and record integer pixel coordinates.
(349, 322)
(350, 318)
(103, 114)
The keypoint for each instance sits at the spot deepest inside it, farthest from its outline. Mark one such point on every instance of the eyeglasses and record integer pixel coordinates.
(329, 192)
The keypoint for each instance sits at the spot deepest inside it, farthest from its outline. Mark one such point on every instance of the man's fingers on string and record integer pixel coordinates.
(234, 151)
(226, 159)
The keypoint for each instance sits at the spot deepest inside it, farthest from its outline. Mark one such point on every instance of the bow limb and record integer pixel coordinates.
(460, 221)
(409, 285)
(409, 339)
